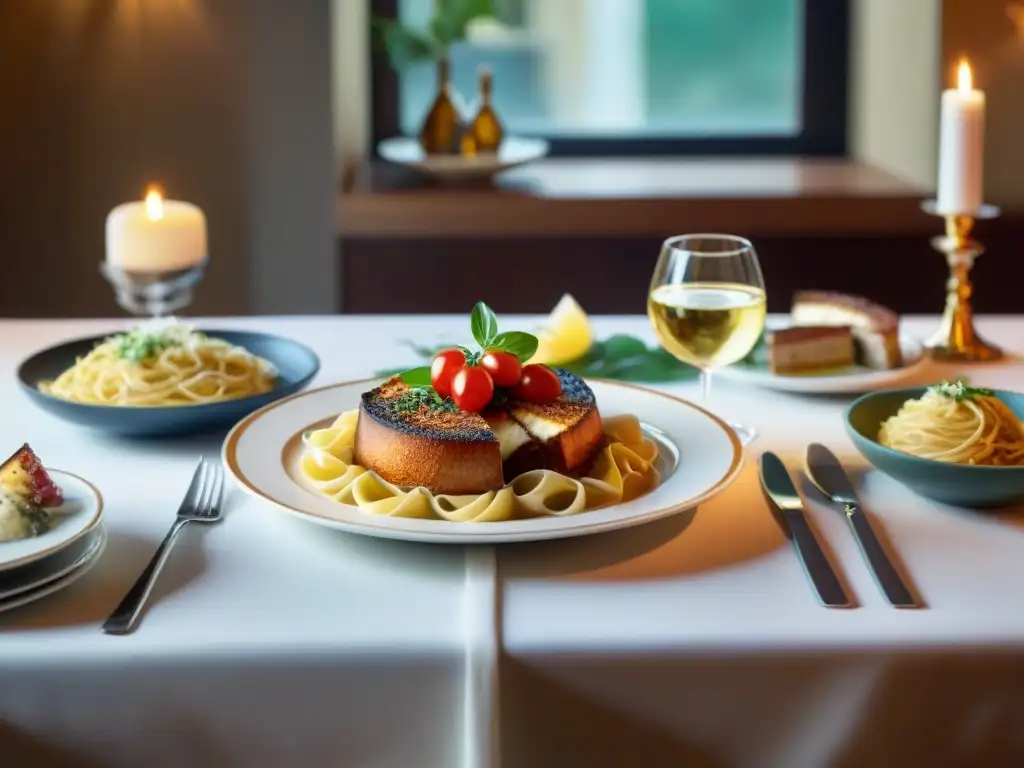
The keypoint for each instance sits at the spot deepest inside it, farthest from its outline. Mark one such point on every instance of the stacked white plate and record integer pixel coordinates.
(33, 568)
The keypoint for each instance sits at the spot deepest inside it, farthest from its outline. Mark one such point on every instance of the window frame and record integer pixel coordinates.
(827, 31)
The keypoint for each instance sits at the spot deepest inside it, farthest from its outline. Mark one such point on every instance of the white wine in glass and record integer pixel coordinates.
(707, 303)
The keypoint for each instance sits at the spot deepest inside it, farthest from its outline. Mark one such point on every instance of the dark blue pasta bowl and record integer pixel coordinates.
(962, 485)
(296, 365)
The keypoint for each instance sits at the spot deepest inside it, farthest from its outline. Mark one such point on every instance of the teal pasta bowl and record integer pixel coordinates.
(962, 485)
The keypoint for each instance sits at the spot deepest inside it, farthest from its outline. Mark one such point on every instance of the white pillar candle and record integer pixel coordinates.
(961, 146)
(156, 235)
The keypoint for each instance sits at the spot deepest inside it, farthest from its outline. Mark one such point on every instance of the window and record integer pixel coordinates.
(643, 76)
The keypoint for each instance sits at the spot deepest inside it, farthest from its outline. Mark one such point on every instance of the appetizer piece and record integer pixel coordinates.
(875, 328)
(23, 475)
(26, 490)
(803, 349)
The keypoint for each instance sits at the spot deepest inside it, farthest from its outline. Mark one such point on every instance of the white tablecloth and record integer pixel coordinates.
(694, 641)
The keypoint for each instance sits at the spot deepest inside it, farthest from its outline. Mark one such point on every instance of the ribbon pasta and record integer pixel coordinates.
(622, 471)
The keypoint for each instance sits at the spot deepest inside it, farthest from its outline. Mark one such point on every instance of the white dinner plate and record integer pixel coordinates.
(43, 579)
(514, 151)
(80, 513)
(850, 381)
(699, 458)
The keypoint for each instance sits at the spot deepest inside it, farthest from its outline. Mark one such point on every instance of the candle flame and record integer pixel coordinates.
(963, 76)
(154, 204)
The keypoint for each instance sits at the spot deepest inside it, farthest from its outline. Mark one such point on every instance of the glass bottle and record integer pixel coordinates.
(485, 130)
(444, 124)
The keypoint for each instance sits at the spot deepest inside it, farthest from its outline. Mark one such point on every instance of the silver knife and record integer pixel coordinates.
(828, 474)
(779, 488)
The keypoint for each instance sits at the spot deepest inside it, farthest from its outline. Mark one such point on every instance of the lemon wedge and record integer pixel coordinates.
(565, 336)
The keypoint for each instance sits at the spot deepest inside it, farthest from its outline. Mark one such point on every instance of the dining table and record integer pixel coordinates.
(695, 640)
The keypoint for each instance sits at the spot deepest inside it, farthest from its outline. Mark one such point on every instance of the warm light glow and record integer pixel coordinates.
(154, 204)
(963, 76)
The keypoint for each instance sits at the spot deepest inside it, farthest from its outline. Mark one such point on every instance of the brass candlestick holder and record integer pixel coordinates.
(956, 338)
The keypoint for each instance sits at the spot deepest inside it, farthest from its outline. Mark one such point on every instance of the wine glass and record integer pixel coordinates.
(707, 304)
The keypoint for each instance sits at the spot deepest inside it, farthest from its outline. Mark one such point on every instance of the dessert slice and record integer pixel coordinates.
(24, 475)
(875, 328)
(803, 349)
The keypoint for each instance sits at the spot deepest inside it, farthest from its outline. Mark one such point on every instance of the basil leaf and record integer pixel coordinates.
(522, 345)
(484, 324)
(417, 377)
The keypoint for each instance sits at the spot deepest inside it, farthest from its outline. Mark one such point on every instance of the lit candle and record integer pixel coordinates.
(156, 235)
(961, 142)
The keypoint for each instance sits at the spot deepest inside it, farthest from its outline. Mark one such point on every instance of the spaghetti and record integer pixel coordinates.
(957, 424)
(163, 365)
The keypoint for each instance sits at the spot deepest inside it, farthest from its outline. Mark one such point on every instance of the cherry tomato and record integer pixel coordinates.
(443, 367)
(472, 388)
(504, 367)
(539, 385)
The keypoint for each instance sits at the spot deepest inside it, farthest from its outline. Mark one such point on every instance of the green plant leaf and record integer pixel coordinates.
(484, 324)
(522, 345)
(454, 16)
(417, 377)
(620, 346)
(627, 358)
(404, 46)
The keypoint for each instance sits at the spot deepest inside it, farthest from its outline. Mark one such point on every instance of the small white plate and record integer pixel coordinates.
(848, 382)
(41, 581)
(701, 457)
(80, 513)
(514, 151)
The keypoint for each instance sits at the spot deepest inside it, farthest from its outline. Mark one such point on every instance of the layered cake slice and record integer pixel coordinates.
(411, 443)
(875, 328)
(803, 349)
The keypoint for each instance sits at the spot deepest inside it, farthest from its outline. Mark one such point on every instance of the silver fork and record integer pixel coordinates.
(201, 504)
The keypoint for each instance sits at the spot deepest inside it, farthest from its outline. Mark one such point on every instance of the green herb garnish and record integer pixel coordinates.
(423, 397)
(151, 338)
(960, 391)
(139, 346)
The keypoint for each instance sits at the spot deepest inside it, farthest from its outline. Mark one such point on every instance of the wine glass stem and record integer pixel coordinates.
(746, 434)
(705, 387)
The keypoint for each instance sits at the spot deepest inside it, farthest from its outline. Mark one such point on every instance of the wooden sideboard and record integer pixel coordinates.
(593, 228)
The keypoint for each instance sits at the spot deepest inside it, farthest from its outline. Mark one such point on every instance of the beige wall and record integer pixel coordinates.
(894, 96)
(101, 97)
(351, 77)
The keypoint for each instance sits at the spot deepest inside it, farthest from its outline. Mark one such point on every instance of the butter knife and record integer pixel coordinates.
(779, 488)
(828, 474)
